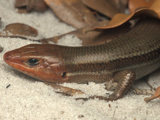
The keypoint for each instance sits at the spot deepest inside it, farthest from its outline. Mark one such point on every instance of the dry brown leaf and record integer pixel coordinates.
(92, 37)
(21, 3)
(156, 95)
(103, 6)
(107, 7)
(72, 12)
(120, 18)
(134, 5)
(29, 5)
(21, 29)
(156, 7)
(95, 34)
(18, 29)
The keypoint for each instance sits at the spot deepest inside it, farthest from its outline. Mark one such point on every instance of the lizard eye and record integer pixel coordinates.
(33, 62)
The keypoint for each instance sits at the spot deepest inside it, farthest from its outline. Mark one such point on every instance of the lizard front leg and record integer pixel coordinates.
(125, 79)
(64, 90)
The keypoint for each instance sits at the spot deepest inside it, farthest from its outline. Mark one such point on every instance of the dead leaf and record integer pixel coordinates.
(107, 7)
(134, 5)
(94, 34)
(30, 5)
(21, 29)
(120, 18)
(72, 12)
(156, 95)
(21, 3)
(155, 7)
(103, 6)
(92, 37)
(18, 30)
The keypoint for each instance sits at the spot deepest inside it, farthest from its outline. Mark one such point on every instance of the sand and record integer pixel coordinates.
(24, 98)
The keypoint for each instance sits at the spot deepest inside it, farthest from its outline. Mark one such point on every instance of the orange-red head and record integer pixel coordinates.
(43, 62)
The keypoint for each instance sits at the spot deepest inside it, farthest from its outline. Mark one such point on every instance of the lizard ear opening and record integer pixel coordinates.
(33, 62)
(64, 75)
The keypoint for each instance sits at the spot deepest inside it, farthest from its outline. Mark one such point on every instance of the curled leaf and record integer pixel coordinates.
(29, 5)
(120, 18)
(134, 5)
(72, 12)
(155, 6)
(156, 95)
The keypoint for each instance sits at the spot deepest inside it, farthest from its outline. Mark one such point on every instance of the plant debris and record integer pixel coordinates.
(106, 30)
(72, 12)
(156, 95)
(89, 36)
(18, 30)
(8, 86)
(25, 6)
(138, 4)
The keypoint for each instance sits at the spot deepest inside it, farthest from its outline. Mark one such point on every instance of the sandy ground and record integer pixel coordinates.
(25, 98)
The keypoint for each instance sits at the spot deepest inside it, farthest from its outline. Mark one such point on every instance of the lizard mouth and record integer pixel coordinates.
(10, 59)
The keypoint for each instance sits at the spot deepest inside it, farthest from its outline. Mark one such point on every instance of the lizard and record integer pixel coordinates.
(123, 60)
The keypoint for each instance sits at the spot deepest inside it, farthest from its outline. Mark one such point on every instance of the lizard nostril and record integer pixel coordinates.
(6, 57)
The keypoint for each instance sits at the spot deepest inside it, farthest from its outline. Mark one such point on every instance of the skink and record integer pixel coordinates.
(125, 59)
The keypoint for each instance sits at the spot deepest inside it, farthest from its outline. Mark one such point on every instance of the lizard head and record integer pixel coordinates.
(43, 62)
